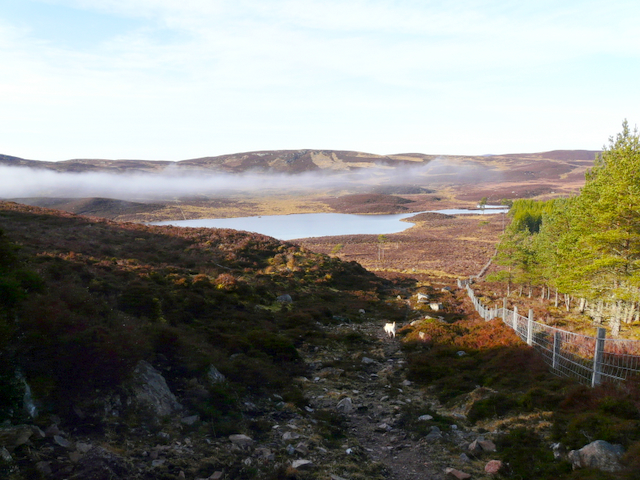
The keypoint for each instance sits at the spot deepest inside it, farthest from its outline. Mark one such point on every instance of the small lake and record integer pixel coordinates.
(305, 225)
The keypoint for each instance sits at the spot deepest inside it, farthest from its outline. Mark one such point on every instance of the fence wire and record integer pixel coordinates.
(589, 360)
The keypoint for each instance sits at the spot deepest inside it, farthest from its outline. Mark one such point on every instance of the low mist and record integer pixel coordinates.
(23, 182)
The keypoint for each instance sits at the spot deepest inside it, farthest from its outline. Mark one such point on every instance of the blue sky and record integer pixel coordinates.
(179, 79)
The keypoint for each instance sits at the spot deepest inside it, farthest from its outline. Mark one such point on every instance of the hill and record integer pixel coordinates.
(295, 181)
(136, 352)
(298, 161)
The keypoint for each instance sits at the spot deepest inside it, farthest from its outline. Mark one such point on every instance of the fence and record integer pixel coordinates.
(590, 360)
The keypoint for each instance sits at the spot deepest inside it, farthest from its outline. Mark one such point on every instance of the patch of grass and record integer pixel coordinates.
(333, 426)
(528, 457)
(408, 420)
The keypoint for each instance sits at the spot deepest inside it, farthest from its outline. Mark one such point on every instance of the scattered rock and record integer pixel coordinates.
(44, 468)
(345, 405)
(102, 463)
(368, 361)
(456, 474)
(75, 456)
(5, 456)
(52, 430)
(290, 436)
(302, 464)
(150, 390)
(423, 298)
(241, 440)
(63, 442)
(286, 298)
(493, 467)
(383, 427)
(599, 454)
(37, 432)
(12, 437)
(425, 418)
(434, 434)
(83, 447)
(191, 420)
(336, 477)
(558, 450)
(214, 376)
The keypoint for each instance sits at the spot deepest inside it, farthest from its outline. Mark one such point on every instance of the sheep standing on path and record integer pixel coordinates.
(390, 329)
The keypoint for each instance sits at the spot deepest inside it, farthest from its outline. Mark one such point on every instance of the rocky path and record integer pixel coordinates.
(363, 420)
(366, 383)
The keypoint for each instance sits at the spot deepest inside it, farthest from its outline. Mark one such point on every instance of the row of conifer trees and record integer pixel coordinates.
(584, 249)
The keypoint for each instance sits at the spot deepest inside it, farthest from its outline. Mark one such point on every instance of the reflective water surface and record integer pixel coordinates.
(305, 225)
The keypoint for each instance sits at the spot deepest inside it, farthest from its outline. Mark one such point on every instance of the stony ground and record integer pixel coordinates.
(379, 403)
(363, 419)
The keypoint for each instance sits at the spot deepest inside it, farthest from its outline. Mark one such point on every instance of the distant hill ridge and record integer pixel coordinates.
(287, 161)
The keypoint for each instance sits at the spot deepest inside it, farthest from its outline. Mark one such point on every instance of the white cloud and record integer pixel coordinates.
(203, 77)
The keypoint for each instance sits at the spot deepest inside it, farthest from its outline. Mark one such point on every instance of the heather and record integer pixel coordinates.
(84, 299)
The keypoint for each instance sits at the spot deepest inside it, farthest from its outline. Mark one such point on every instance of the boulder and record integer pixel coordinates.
(599, 454)
(214, 376)
(150, 390)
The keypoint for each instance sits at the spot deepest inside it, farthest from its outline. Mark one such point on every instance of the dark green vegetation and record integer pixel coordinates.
(84, 300)
(586, 246)
(500, 381)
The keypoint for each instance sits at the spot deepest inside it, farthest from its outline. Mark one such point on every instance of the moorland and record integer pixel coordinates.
(135, 351)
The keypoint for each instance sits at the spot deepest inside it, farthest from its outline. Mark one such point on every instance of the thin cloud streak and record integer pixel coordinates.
(24, 182)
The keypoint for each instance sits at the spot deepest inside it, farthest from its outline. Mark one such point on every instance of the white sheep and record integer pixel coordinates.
(390, 329)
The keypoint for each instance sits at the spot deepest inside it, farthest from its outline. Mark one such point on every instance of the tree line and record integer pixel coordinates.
(585, 249)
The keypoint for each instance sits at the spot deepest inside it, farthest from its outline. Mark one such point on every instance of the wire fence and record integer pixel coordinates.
(589, 360)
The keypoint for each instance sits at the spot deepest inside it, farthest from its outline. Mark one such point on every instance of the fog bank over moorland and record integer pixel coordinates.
(173, 182)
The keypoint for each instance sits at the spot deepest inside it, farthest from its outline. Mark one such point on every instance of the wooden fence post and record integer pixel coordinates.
(597, 357)
(514, 321)
(557, 344)
(530, 328)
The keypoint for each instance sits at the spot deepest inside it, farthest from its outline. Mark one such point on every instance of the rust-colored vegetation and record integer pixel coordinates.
(84, 299)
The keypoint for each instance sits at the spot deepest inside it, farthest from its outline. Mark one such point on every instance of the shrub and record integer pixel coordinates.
(497, 405)
(528, 457)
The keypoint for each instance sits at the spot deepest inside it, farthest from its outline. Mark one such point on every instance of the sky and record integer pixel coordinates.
(181, 79)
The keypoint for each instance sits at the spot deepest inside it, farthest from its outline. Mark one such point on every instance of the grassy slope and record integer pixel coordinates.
(100, 296)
